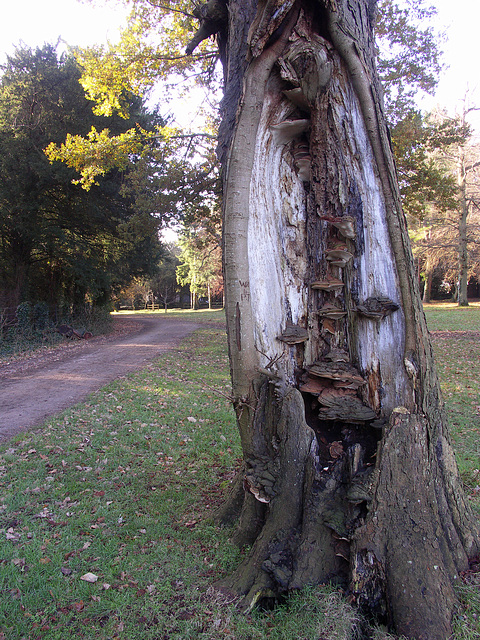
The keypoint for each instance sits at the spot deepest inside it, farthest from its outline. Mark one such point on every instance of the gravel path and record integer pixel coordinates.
(38, 387)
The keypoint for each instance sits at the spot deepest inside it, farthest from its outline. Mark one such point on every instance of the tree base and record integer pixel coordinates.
(382, 530)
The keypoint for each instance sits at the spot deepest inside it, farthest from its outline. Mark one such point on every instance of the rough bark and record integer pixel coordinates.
(335, 388)
(462, 237)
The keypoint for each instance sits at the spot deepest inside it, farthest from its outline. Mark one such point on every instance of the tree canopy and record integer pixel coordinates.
(60, 242)
(408, 60)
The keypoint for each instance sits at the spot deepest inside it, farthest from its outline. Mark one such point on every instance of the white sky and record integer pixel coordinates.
(38, 21)
(460, 20)
(35, 22)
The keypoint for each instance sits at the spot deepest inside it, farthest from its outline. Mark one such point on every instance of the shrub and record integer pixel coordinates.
(24, 316)
(41, 316)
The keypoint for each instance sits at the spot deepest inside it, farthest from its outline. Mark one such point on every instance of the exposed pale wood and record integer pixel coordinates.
(320, 474)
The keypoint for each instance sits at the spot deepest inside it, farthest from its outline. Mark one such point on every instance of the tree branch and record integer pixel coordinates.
(167, 8)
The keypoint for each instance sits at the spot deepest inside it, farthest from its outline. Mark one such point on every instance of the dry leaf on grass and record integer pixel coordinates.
(89, 577)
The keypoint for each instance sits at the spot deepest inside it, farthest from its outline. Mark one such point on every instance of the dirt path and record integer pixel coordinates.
(38, 387)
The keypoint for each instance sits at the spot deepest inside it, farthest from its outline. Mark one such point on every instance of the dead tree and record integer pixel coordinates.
(348, 475)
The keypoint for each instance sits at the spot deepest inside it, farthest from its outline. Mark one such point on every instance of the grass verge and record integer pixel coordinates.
(22, 341)
(122, 487)
(212, 316)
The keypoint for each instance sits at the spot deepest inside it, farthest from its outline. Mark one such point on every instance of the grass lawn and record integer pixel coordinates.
(105, 528)
(216, 316)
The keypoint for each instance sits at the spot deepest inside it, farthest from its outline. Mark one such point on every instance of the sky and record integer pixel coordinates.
(460, 20)
(38, 21)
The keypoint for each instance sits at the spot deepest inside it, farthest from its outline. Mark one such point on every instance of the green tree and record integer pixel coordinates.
(409, 64)
(200, 264)
(59, 242)
(164, 285)
(408, 56)
(450, 233)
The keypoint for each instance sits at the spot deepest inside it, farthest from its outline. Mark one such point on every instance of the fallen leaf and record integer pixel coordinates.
(11, 535)
(19, 562)
(89, 577)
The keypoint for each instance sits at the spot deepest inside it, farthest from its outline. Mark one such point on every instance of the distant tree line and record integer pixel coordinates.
(61, 244)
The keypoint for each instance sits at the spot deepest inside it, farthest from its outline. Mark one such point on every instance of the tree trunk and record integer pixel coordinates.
(462, 237)
(209, 294)
(348, 472)
(427, 292)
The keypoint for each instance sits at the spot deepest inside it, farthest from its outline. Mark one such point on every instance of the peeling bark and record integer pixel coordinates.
(348, 467)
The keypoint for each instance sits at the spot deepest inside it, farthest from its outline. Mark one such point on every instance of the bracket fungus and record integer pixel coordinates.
(256, 491)
(339, 257)
(337, 355)
(341, 373)
(345, 408)
(303, 167)
(315, 386)
(286, 131)
(377, 308)
(330, 284)
(330, 395)
(329, 325)
(331, 311)
(301, 149)
(345, 224)
(260, 479)
(298, 98)
(294, 334)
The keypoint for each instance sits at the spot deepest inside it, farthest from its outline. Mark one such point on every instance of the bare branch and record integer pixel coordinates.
(167, 8)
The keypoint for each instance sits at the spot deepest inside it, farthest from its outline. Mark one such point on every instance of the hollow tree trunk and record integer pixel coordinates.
(348, 472)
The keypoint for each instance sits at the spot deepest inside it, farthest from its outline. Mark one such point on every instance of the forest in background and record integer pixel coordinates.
(81, 228)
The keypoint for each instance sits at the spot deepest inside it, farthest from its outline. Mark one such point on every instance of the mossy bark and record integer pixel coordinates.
(371, 500)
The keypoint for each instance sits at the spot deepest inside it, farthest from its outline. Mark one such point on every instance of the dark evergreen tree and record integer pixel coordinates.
(59, 242)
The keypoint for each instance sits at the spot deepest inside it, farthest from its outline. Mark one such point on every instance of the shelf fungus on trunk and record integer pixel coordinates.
(293, 334)
(345, 224)
(341, 373)
(330, 284)
(339, 257)
(286, 131)
(345, 408)
(303, 166)
(298, 98)
(337, 355)
(260, 478)
(315, 386)
(328, 325)
(332, 312)
(377, 308)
